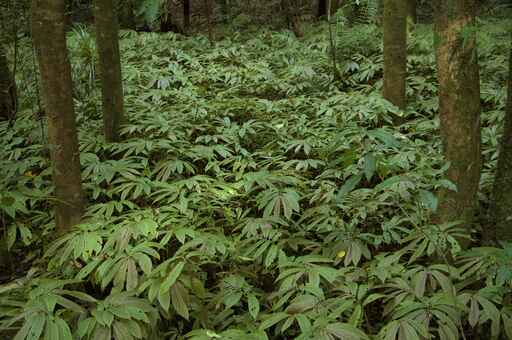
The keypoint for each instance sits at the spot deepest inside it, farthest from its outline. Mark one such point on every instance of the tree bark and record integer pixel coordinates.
(208, 9)
(48, 35)
(501, 208)
(292, 18)
(8, 96)
(395, 52)
(186, 15)
(411, 11)
(459, 107)
(107, 41)
(322, 9)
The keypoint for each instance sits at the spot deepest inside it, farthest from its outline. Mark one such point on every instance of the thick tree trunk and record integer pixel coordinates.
(411, 11)
(459, 106)
(502, 195)
(186, 15)
(395, 52)
(322, 9)
(48, 35)
(8, 96)
(107, 41)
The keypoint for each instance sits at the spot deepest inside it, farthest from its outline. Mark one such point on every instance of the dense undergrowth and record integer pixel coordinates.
(253, 197)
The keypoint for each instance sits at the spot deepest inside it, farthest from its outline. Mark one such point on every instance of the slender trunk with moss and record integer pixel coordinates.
(107, 41)
(8, 97)
(48, 35)
(412, 14)
(395, 52)
(186, 15)
(459, 107)
(501, 208)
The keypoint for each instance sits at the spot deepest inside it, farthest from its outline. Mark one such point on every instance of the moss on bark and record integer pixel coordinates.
(48, 34)
(459, 106)
(107, 42)
(395, 52)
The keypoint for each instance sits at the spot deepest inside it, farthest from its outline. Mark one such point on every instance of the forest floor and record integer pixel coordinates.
(250, 182)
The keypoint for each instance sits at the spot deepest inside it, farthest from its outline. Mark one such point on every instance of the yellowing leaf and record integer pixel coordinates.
(341, 254)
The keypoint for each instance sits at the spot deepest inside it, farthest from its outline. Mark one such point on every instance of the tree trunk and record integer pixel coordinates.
(411, 11)
(322, 9)
(48, 35)
(166, 23)
(292, 18)
(459, 107)
(107, 41)
(225, 10)
(502, 194)
(186, 15)
(395, 52)
(8, 97)
(208, 9)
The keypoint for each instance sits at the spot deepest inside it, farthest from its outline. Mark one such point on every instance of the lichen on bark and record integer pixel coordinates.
(459, 107)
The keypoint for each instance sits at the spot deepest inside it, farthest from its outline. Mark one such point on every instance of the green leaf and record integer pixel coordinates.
(428, 199)
(172, 277)
(179, 299)
(370, 165)
(346, 331)
(37, 322)
(254, 305)
(347, 187)
(272, 320)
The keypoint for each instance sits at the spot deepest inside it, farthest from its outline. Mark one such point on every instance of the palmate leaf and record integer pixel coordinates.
(279, 202)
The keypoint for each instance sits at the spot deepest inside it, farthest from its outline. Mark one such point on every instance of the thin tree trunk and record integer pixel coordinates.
(208, 9)
(107, 41)
(8, 96)
(322, 9)
(186, 15)
(332, 44)
(395, 52)
(411, 11)
(48, 35)
(226, 10)
(502, 194)
(459, 107)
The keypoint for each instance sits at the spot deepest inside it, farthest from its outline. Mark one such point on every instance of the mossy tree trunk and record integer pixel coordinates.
(8, 96)
(412, 13)
(107, 41)
(502, 194)
(459, 106)
(48, 35)
(395, 52)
